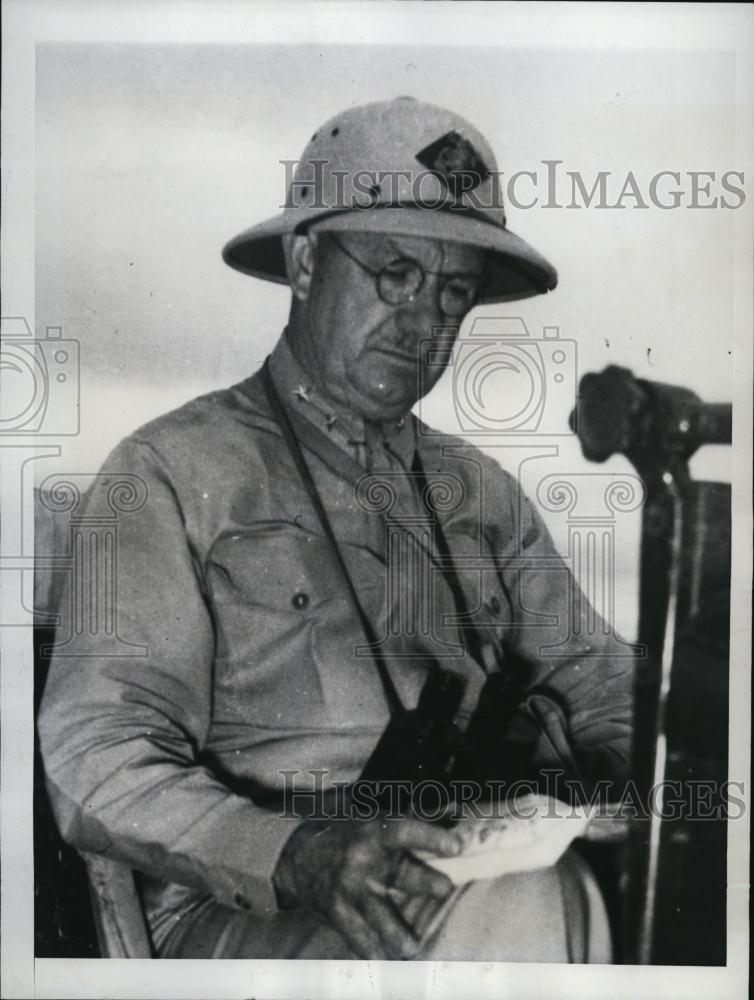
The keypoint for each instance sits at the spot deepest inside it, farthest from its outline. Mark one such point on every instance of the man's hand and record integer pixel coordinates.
(344, 871)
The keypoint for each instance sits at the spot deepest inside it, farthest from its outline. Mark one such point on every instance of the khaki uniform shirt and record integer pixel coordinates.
(253, 661)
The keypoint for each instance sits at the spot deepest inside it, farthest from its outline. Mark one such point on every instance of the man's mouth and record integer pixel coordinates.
(405, 357)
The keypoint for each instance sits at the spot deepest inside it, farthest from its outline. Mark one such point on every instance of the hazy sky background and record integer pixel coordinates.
(150, 157)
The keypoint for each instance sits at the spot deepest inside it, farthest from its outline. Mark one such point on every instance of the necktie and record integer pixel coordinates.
(381, 458)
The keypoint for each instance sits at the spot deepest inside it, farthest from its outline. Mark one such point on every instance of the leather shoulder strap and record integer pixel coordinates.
(281, 416)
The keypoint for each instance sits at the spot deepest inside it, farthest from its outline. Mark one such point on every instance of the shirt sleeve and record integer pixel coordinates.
(580, 672)
(121, 734)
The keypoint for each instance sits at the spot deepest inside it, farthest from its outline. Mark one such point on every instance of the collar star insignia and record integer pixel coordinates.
(302, 392)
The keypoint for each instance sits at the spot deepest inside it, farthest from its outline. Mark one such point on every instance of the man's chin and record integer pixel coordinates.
(386, 405)
(382, 392)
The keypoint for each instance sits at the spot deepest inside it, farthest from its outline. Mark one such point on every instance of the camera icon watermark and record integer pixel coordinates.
(504, 381)
(41, 385)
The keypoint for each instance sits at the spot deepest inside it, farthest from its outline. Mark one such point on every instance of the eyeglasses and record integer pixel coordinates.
(400, 281)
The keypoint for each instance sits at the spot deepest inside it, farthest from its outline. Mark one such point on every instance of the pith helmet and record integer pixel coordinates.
(399, 167)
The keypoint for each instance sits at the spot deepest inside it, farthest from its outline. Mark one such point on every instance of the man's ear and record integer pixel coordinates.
(300, 253)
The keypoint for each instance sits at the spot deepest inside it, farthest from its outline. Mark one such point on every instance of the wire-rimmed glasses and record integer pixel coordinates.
(400, 281)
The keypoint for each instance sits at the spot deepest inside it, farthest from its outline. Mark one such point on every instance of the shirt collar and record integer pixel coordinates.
(343, 427)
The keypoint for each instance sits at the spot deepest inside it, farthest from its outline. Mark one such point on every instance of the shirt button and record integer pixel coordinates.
(493, 604)
(300, 601)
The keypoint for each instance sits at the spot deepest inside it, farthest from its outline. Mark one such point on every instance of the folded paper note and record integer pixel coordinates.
(532, 833)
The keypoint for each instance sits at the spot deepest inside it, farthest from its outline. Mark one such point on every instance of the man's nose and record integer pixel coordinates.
(417, 318)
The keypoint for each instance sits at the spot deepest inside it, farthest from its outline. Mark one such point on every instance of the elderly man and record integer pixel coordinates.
(265, 579)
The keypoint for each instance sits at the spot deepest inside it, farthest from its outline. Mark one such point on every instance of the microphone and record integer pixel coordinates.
(618, 413)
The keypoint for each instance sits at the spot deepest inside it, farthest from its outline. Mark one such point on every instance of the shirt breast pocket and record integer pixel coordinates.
(487, 601)
(287, 632)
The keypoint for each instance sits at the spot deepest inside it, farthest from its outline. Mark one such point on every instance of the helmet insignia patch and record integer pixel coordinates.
(455, 162)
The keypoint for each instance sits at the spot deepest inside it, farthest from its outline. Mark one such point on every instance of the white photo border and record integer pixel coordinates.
(577, 25)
